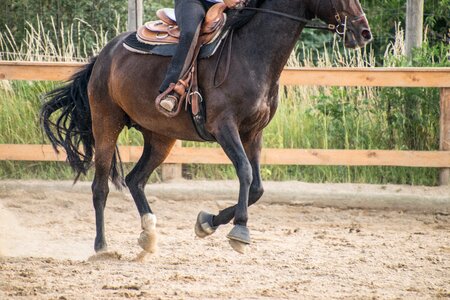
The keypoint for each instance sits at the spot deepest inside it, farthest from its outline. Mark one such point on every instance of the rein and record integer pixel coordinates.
(339, 28)
(312, 25)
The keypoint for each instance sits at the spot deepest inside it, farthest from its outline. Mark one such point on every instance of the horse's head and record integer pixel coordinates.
(348, 17)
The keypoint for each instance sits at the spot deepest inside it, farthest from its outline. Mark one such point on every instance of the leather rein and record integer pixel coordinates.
(339, 28)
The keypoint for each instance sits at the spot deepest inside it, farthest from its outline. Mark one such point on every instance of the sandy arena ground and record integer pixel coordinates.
(299, 251)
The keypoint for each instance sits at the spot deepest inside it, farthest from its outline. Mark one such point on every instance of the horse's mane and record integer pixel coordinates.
(238, 18)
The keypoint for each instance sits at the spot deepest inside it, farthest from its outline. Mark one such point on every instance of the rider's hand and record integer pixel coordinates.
(233, 3)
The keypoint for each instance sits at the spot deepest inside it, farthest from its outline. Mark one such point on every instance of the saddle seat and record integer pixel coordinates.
(165, 31)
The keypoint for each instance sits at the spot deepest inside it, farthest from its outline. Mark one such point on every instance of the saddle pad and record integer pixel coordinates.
(170, 13)
(132, 44)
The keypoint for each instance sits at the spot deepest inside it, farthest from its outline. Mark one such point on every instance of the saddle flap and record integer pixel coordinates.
(154, 37)
(161, 27)
(167, 15)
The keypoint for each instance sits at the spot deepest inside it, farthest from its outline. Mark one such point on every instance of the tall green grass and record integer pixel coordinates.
(64, 44)
(307, 117)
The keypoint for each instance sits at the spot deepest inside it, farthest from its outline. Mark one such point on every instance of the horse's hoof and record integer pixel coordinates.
(141, 257)
(105, 256)
(100, 245)
(204, 225)
(239, 238)
(238, 246)
(148, 241)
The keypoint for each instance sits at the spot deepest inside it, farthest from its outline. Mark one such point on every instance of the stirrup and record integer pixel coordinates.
(170, 108)
(169, 102)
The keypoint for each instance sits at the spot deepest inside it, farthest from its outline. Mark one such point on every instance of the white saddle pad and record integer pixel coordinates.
(170, 12)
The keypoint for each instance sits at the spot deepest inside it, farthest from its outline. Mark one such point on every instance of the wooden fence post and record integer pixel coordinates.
(135, 11)
(172, 171)
(445, 131)
(414, 25)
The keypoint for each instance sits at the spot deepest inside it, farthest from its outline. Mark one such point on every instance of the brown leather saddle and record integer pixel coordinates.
(166, 31)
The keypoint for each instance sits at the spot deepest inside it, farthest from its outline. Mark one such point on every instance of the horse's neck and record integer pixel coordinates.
(268, 40)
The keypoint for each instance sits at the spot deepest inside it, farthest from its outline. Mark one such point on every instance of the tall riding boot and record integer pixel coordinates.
(190, 15)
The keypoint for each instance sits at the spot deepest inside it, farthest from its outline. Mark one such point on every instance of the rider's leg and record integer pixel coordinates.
(189, 14)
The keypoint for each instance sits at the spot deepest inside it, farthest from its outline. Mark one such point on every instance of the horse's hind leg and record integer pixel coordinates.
(107, 123)
(156, 149)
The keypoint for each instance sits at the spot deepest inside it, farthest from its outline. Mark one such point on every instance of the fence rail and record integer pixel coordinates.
(382, 77)
(269, 156)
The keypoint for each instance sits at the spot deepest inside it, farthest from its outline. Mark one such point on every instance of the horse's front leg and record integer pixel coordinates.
(228, 137)
(253, 150)
(207, 223)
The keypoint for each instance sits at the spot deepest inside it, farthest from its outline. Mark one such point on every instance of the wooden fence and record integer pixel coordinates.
(382, 77)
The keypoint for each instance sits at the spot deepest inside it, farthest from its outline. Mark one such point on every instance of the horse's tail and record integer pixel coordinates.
(72, 128)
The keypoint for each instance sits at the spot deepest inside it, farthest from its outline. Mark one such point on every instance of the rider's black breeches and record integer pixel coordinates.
(189, 14)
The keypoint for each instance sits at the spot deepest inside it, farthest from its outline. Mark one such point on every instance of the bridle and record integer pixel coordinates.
(340, 28)
(337, 17)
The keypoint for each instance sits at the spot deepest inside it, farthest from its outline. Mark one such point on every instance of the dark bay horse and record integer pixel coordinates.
(118, 88)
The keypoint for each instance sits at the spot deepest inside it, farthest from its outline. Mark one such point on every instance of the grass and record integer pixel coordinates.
(307, 117)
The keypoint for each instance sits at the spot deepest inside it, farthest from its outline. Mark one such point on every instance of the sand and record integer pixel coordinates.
(298, 251)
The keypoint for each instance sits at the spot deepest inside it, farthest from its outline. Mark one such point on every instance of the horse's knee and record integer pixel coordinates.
(245, 174)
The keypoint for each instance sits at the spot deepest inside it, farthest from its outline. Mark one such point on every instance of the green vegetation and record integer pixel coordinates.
(308, 117)
(102, 16)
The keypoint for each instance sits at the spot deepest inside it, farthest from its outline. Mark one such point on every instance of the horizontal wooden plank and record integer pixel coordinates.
(30, 153)
(184, 155)
(383, 77)
(14, 70)
(356, 157)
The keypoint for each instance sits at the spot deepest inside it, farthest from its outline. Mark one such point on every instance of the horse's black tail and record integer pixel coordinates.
(72, 128)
